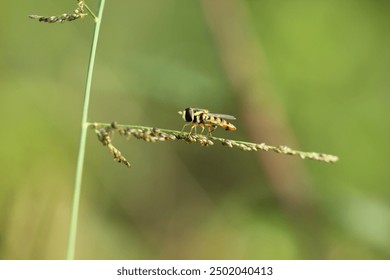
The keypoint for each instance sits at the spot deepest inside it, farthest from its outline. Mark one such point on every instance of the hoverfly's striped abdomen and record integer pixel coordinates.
(217, 121)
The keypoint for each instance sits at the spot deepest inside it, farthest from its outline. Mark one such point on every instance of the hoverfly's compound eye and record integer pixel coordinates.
(188, 115)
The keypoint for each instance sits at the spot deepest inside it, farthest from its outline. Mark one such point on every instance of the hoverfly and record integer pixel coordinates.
(203, 118)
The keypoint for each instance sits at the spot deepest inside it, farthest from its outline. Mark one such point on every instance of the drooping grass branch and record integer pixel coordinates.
(104, 132)
(78, 13)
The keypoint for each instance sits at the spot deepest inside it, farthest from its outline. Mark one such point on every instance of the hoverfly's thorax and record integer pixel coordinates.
(199, 118)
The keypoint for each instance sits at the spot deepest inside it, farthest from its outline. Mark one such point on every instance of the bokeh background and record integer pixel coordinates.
(313, 75)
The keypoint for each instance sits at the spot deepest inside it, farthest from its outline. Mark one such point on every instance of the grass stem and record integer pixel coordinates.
(84, 127)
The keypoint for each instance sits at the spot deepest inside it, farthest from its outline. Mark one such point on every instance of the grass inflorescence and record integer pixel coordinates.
(104, 132)
(78, 13)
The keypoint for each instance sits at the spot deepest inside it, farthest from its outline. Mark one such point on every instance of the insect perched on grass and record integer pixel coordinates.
(203, 118)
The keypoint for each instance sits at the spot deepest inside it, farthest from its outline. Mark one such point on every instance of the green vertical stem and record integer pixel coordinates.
(83, 138)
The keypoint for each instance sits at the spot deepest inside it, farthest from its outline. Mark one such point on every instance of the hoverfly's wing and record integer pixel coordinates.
(222, 116)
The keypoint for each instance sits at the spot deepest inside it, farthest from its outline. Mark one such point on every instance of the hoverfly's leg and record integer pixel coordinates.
(211, 129)
(202, 129)
(193, 126)
(184, 127)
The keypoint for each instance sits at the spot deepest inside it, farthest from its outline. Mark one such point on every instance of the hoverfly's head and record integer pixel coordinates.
(187, 114)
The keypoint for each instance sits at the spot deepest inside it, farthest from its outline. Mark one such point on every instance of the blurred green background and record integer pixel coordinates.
(313, 75)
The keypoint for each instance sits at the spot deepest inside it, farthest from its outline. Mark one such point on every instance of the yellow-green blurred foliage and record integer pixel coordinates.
(327, 65)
